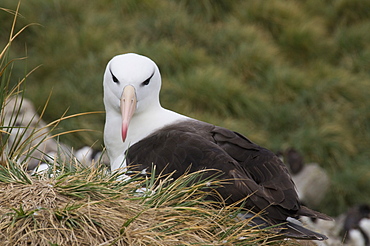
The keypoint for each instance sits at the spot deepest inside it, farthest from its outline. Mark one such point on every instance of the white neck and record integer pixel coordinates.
(141, 125)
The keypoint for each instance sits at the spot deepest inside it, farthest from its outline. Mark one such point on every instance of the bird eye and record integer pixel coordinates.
(115, 80)
(147, 81)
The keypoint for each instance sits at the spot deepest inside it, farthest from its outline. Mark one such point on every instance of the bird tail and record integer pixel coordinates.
(305, 211)
(291, 228)
(297, 231)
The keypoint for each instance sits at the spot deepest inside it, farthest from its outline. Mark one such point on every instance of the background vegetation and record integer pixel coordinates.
(284, 73)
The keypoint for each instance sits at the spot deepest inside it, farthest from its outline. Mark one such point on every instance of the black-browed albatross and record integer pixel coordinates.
(139, 131)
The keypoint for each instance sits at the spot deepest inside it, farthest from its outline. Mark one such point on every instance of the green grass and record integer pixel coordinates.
(285, 74)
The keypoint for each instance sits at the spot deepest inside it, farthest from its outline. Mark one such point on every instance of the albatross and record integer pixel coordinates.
(140, 132)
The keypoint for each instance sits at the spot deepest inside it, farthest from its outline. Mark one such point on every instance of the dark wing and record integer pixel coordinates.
(176, 150)
(183, 149)
(268, 171)
(252, 170)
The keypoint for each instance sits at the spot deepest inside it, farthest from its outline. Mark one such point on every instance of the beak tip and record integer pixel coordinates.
(124, 133)
(124, 130)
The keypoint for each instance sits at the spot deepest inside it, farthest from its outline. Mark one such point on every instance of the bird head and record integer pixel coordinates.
(131, 86)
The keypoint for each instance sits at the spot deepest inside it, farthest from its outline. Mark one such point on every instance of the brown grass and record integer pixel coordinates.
(42, 213)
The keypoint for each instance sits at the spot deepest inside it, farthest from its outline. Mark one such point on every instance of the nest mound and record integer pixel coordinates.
(87, 207)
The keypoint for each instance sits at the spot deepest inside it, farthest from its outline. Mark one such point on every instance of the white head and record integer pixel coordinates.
(131, 85)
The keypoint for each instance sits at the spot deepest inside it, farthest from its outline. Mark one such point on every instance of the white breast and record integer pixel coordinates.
(141, 126)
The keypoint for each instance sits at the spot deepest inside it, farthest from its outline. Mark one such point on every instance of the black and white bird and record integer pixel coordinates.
(139, 131)
(356, 226)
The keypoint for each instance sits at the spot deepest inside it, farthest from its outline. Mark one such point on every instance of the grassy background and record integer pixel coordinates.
(283, 73)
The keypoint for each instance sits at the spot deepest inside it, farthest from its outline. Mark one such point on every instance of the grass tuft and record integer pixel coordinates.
(61, 209)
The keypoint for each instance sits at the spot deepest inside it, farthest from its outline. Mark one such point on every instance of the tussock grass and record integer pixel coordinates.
(87, 206)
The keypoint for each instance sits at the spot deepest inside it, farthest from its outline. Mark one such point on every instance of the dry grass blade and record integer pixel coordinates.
(11, 172)
(13, 36)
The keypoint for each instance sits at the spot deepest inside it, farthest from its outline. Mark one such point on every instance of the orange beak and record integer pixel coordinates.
(128, 107)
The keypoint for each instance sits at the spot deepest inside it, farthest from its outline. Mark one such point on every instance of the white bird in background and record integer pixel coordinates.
(139, 132)
(28, 140)
(27, 134)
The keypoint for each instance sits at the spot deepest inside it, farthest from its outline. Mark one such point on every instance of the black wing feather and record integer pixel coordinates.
(254, 171)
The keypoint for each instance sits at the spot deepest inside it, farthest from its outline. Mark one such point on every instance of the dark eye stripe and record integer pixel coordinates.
(147, 81)
(115, 80)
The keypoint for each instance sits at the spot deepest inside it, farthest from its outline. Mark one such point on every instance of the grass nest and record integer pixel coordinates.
(91, 206)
